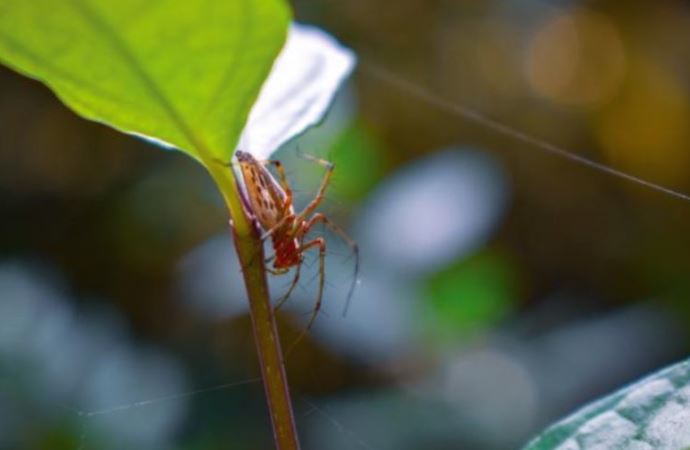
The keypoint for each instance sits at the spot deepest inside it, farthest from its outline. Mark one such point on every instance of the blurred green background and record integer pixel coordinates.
(501, 286)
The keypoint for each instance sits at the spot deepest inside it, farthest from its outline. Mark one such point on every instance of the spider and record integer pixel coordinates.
(270, 201)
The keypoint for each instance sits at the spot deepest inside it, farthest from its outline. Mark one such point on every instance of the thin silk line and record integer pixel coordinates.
(337, 424)
(143, 403)
(472, 115)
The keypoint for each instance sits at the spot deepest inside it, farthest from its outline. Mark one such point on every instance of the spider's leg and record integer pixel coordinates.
(292, 287)
(277, 271)
(281, 172)
(281, 223)
(319, 217)
(312, 205)
(321, 244)
(295, 279)
(283, 271)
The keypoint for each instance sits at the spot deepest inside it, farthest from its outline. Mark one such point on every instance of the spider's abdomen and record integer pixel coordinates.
(287, 252)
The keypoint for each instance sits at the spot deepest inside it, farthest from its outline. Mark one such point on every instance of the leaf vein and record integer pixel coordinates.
(93, 19)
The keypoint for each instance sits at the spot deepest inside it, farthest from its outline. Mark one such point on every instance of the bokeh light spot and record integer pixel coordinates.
(471, 294)
(646, 132)
(577, 58)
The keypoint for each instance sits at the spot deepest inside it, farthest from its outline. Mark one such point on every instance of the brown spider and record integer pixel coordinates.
(270, 201)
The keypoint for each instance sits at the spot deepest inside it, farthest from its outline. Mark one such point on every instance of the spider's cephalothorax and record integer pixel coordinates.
(270, 202)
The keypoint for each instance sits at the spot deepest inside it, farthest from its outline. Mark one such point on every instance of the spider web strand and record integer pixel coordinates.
(144, 403)
(338, 425)
(472, 115)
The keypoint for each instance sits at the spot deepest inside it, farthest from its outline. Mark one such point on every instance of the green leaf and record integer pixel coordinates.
(184, 72)
(651, 414)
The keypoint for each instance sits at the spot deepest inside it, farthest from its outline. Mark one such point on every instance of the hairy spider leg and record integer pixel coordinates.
(319, 217)
(296, 220)
(300, 231)
(321, 244)
(325, 181)
(301, 228)
(312, 205)
(281, 271)
(295, 280)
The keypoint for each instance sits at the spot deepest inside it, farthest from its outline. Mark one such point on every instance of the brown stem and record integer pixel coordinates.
(267, 343)
(250, 252)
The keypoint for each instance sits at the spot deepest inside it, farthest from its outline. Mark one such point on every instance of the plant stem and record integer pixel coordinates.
(250, 252)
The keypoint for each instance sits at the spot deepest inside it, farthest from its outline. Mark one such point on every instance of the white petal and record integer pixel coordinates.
(298, 91)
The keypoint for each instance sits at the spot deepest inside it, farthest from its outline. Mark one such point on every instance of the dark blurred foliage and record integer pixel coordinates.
(567, 222)
(570, 283)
